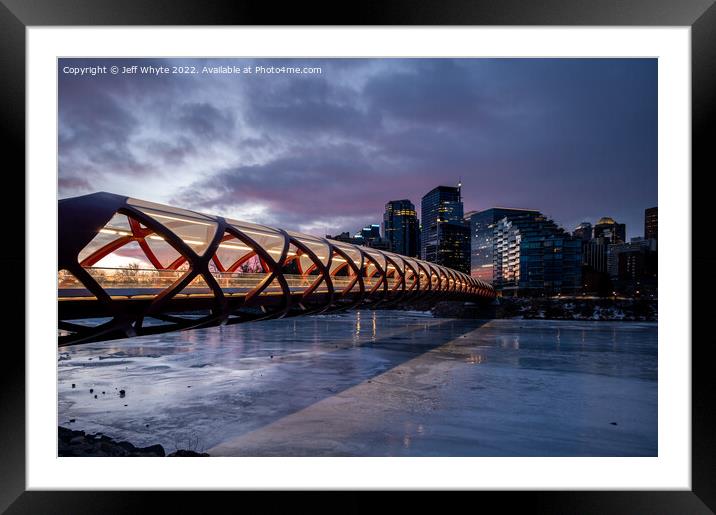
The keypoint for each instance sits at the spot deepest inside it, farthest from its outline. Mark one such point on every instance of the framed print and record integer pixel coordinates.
(414, 253)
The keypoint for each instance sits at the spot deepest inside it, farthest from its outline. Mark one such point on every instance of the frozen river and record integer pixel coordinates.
(383, 383)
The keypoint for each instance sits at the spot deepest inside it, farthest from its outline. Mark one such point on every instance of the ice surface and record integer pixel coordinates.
(382, 383)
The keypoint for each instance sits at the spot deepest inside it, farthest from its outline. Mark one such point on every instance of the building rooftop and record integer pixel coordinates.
(605, 220)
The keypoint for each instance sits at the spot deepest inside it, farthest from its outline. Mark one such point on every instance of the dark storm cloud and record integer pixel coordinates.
(434, 93)
(308, 105)
(101, 118)
(94, 132)
(170, 153)
(69, 182)
(203, 121)
(91, 118)
(575, 138)
(304, 184)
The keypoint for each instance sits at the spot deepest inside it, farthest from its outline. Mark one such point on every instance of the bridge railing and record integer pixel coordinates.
(113, 248)
(138, 281)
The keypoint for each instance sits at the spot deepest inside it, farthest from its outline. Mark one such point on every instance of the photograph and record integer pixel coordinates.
(414, 248)
(357, 257)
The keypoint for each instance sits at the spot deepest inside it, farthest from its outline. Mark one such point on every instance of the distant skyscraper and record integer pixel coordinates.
(532, 255)
(445, 237)
(400, 228)
(583, 231)
(594, 254)
(633, 266)
(369, 232)
(608, 229)
(650, 223)
(442, 204)
(482, 233)
(635, 245)
(344, 236)
(454, 246)
(368, 236)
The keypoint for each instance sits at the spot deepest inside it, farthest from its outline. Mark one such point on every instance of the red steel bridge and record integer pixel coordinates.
(127, 267)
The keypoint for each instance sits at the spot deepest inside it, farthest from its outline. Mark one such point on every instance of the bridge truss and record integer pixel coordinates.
(128, 267)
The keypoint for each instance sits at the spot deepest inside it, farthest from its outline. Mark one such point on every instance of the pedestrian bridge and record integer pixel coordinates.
(127, 267)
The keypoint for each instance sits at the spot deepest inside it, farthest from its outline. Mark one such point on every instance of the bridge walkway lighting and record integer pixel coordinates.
(130, 260)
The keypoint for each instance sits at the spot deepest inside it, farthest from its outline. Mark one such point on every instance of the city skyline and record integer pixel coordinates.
(196, 200)
(634, 233)
(573, 138)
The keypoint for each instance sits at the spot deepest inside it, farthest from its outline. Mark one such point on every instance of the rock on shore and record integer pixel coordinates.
(77, 443)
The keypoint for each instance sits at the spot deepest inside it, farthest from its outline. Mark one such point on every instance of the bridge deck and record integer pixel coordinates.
(128, 260)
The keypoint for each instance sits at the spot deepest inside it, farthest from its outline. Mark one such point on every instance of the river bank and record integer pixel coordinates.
(600, 309)
(554, 308)
(78, 443)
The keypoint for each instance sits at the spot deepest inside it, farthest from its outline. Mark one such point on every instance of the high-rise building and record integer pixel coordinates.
(650, 223)
(633, 266)
(608, 229)
(594, 254)
(400, 228)
(531, 255)
(368, 236)
(635, 245)
(583, 231)
(344, 236)
(453, 250)
(595, 262)
(368, 233)
(482, 233)
(445, 237)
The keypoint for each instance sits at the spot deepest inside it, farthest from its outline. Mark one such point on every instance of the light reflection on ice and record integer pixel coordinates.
(506, 387)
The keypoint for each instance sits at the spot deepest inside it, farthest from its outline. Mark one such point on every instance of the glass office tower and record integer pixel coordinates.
(400, 228)
(482, 231)
(651, 216)
(445, 237)
(534, 256)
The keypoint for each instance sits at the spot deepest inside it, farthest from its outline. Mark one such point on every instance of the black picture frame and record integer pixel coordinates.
(17, 15)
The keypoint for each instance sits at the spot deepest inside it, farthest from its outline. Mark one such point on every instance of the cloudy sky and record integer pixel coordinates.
(323, 152)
